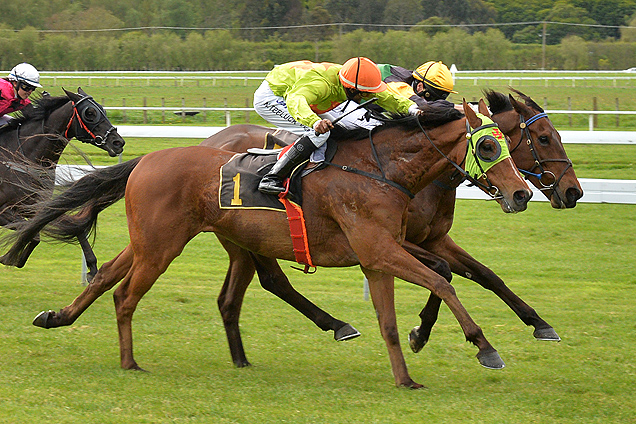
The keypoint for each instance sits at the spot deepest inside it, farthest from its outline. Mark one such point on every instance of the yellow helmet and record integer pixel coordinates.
(437, 79)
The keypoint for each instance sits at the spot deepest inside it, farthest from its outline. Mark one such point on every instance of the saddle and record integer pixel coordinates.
(242, 173)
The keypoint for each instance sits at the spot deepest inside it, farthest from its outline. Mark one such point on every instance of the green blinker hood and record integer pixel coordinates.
(476, 164)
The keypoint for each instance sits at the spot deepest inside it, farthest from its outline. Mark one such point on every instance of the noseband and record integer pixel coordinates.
(543, 176)
(89, 124)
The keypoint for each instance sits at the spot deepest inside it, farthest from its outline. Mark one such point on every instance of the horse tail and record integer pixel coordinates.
(87, 197)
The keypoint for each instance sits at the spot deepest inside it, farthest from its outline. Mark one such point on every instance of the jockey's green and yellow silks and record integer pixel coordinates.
(476, 167)
(312, 88)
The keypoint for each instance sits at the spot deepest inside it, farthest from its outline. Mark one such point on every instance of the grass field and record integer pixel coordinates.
(575, 267)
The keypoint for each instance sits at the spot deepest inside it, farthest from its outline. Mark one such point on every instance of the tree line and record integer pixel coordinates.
(257, 34)
(222, 50)
(602, 17)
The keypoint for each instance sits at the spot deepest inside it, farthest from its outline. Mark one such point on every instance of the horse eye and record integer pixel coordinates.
(487, 149)
(90, 115)
(544, 140)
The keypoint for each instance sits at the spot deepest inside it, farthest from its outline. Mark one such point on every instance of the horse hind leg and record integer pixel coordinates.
(141, 277)
(238, 277)
(274, 280)
(24, 256)
(89, 257)
(108, 275)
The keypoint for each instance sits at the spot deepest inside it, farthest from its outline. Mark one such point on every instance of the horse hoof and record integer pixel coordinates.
(491, 360)
(42, 320)
(414, 340)
(346, 332)
(547, 334)
(410, 384)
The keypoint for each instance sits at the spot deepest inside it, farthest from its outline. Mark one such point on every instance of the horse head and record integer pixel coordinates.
(536, 148)
(90, 124)
(489, 165)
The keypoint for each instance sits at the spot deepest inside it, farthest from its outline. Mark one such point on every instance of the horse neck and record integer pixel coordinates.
(414, 162)
(44, 141)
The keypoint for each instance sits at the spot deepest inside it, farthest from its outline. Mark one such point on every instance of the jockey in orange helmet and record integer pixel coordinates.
(298, 96)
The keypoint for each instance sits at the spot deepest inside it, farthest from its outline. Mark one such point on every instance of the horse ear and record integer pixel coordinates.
(80, 91)
(520, 108)
(483, 109)
(73, 96)
(473, 120)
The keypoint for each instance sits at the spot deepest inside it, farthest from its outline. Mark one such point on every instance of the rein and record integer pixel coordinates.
(543, 175)
(489, 188)
(381, 177)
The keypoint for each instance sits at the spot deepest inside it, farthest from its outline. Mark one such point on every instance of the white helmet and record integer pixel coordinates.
(26, 73)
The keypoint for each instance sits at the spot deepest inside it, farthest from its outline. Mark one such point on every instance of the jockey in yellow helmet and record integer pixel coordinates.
(431, 81)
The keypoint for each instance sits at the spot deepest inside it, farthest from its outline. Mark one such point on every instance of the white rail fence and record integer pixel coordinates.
(185, 111)
(177, 131)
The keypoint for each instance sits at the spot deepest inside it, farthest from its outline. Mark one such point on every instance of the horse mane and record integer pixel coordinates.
(37, 110)
(431, 116)
(497, 102)
(528, 101)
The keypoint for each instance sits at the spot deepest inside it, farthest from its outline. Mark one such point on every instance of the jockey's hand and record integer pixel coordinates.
(323, 126)
(414, 110)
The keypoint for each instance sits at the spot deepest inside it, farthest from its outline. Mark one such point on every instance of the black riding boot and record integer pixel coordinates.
(272, 183)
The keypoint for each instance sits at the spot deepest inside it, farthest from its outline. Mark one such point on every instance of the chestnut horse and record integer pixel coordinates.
(351, 219)
(537, 151)
(30, 147)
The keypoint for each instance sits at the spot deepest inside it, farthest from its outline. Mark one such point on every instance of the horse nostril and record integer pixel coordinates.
(574, 194)
(522, 197)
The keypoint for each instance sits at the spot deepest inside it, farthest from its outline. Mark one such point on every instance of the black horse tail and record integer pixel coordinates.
(74, 212)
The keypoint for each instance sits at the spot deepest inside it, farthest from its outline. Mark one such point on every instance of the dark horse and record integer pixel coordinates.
(351, 219)
(537, 151)
(30, 147)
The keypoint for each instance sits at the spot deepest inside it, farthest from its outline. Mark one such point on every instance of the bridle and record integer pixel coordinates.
(88, 123)
(489, 188)
(544, 176)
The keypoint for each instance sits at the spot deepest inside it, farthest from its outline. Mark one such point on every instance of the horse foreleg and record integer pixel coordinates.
(434, 262)
(465, 265)
(381, 288)
(89, 256)
(418, 337)
(108, 275)
(392, 259)
(274, 280)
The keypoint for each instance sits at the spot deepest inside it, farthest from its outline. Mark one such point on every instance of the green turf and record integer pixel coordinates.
(574, 267)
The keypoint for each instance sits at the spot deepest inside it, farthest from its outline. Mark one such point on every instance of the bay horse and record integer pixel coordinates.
(536, 150)
(351, 219)
(30, 148)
